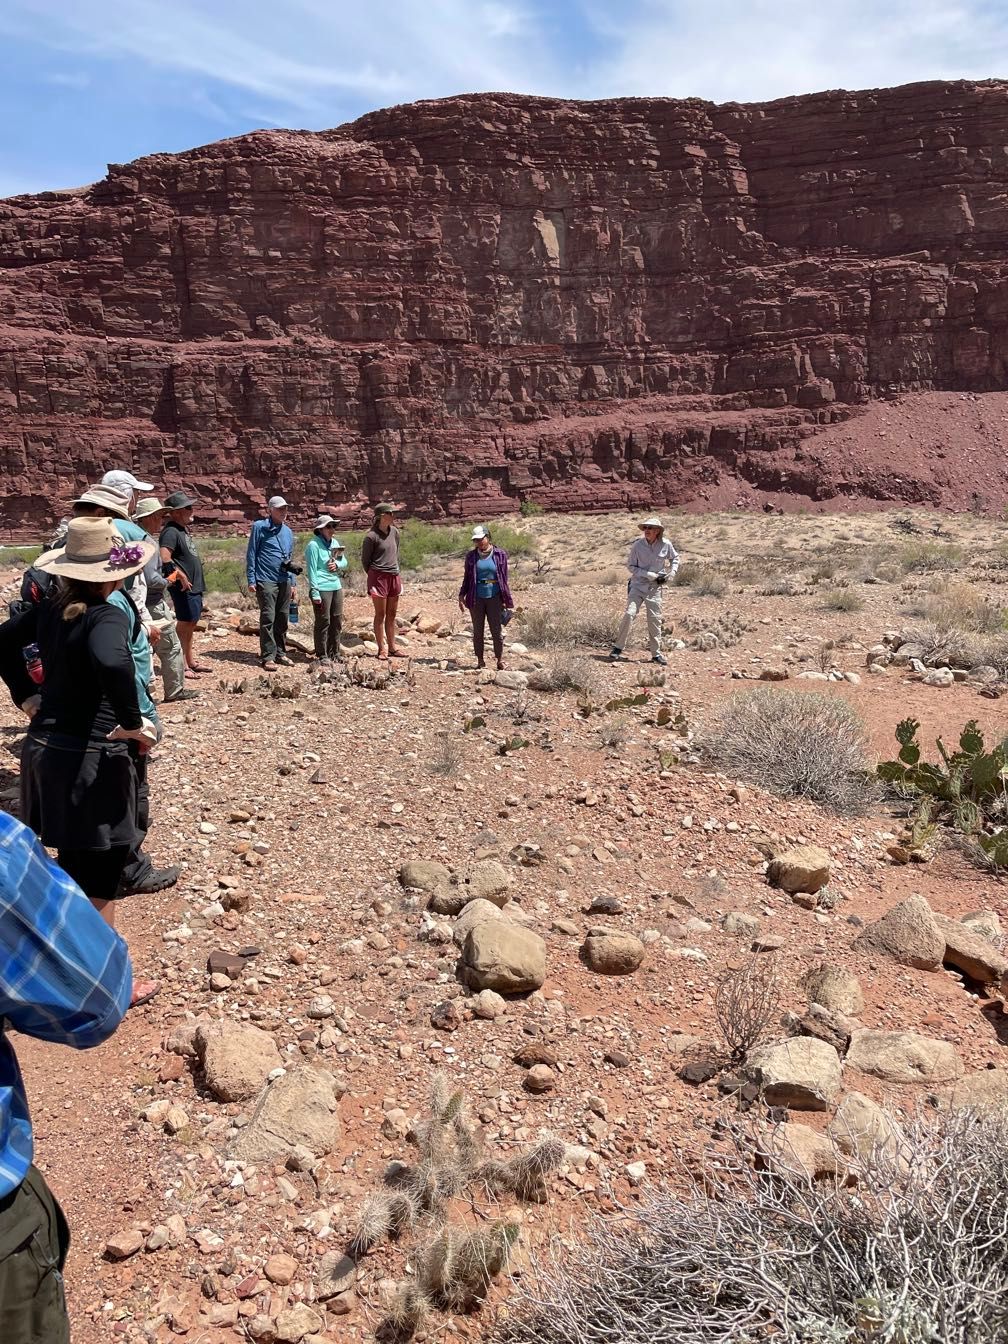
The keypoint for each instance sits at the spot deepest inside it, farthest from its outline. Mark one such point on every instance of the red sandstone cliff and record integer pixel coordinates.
(484, 299)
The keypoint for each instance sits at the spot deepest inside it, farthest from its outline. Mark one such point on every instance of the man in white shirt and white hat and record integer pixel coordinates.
(652, 562)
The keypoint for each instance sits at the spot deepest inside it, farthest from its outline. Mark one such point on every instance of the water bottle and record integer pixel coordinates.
(292, 616)
(33, 663)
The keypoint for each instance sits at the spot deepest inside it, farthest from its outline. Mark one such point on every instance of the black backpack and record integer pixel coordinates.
(35, 586)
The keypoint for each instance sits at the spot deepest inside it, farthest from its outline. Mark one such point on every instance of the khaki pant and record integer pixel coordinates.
(34, 1239)
(169, 650)
(650, 598)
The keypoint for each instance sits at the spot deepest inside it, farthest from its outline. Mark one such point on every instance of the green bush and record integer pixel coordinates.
(530, 509)
(19, 557)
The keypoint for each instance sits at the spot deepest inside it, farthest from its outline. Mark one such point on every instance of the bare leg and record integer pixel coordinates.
(379, 623)
(391, 607)
(107, 910)
(186, 630)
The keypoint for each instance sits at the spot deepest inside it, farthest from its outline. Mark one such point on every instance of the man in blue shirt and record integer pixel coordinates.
(270, 551)
(65, 977)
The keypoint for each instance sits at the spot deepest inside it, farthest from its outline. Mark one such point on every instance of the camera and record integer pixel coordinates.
(289, 567)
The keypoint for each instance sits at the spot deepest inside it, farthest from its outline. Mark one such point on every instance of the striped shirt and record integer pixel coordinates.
(65, 976)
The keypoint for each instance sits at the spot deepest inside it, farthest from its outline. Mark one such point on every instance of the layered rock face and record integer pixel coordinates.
(486, 299)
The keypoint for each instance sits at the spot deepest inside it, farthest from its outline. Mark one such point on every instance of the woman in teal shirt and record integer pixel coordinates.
(325, 561)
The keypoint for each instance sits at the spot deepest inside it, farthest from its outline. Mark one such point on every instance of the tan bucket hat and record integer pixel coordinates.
(106, 497)
(95, 552)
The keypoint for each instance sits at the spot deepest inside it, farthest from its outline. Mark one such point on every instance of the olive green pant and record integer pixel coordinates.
(34, 1238)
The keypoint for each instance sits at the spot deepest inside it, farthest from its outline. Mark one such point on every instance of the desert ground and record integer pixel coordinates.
(293, 803)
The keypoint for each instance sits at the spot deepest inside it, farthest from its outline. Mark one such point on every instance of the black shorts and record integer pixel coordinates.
(188, 606)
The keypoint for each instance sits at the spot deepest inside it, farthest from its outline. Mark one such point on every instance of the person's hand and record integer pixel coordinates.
(251, 587)
(461, 605)
(316, 598)
(146, 734)
(661, 578)
(153, 635)
(652, 575)
(30, 707)
(293, 588)
(184, 582)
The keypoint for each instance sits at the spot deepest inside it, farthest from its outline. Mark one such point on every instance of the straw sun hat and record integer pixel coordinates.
(95, 552)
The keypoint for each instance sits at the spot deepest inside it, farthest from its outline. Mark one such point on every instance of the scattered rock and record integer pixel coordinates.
(834, 988)
(489, 1005)
(473, 913)
(280, 1268)
(121, 1245)
(611, 952)
(860, 1126)
(295, 1322)
(488, 880)
(424, 875)
(908, 934)
(903, 1057)
(799, 868)
(299, 1108)
(740, 923)
(967, 950)
(225, 963)
(985, 1090)
(798, 1150)
(801, 1074)
(540, 1078)
(335, 1274)
(503, 956)
(236, 1059)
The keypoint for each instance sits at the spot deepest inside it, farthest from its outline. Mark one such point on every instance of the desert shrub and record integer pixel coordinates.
(915, 1253)
(746, 1000)
(945, 646)
(528, 508)
(958, 607)
(797, 744)
(562, 626)
(19, 557)
(780, 585)
(567, 670)
(929, 557)
(842, 599)
(447, 756)
(700, 579)
(224, 575)
(718, 631)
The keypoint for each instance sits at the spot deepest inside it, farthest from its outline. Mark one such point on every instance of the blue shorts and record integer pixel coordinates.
(188, 606)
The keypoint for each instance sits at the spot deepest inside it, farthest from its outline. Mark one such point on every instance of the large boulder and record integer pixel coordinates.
(610, 952)
(503, 956)
(860, 1127)
(236, 1059)
(800, 868)
(833, 988)
(471, 914)
(903, 1057)
(299, 1109)
(488, 880)
(908, 933)
(802, 1073)
(985, 1090)
(967, 950)
(424, 875)
(796, 1150)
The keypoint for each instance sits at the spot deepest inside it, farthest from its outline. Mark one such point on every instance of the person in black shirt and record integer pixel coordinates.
(78, 781)
(184, 571)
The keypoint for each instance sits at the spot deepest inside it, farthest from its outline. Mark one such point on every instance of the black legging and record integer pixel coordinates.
(97, 872)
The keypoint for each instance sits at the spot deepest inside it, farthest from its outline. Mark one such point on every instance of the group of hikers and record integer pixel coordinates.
(122, 580)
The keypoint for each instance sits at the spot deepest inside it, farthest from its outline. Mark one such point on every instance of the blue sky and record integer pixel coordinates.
(87, 82)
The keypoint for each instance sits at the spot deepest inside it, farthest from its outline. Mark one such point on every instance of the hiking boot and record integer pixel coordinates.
(615, 654)
(155, 879)
(181, 695)
(284, 661)
(660, 659)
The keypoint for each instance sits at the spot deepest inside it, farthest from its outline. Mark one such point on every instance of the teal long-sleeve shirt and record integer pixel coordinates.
(321, 579)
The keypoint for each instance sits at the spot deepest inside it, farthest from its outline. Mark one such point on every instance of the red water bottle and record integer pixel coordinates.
(33, 663)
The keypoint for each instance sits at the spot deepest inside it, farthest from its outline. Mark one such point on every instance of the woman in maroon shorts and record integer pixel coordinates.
(380, 558)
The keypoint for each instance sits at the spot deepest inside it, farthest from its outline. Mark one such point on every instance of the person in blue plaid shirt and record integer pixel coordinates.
(65, 976)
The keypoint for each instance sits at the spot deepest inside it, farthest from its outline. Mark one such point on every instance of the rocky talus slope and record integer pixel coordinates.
(491, 298)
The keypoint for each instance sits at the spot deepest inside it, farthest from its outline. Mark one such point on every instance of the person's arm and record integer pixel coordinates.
(313, 568)
(14, 635)
(137, 590)
(502, 577)
(252, 557)
(367, 551)
(673, 561)
(67, 973)
(108, 645)
(169, 565)
(289, 556)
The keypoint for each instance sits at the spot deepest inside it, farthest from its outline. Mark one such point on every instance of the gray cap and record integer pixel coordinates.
(277, 502)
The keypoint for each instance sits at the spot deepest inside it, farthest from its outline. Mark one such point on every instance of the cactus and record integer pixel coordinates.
(968, 787)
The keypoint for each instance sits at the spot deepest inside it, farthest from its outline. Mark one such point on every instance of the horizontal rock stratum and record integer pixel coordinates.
(475, 301)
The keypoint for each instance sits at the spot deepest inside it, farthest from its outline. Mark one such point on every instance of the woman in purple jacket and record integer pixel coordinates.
(486, 593)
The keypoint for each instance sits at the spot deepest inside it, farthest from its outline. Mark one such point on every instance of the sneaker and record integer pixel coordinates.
(325, 662)
(284, 661)
(156, 879)
(181, 695)
(615, 654)
(661, 659)
(269, 665)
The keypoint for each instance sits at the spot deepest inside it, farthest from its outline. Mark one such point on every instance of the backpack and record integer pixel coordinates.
(36, 585)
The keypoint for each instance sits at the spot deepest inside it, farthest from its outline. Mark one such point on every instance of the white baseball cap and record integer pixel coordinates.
(277, 502)
(479, 533)
(124, 481)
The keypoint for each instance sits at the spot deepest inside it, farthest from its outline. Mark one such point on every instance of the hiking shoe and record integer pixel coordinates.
(284, 661)
(269, 665)
(156, 879)
(181, 695)
(661, 659)
(615, 655)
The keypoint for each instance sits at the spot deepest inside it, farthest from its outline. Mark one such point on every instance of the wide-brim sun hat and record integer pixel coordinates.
(652, 522)
(178, 499)
(324, 520)
(106, 497)
(148, 506)
(95, 552)
(386, 508)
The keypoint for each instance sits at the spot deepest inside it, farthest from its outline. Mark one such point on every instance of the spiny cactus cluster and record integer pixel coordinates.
(967, 789)
(455, 1268)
